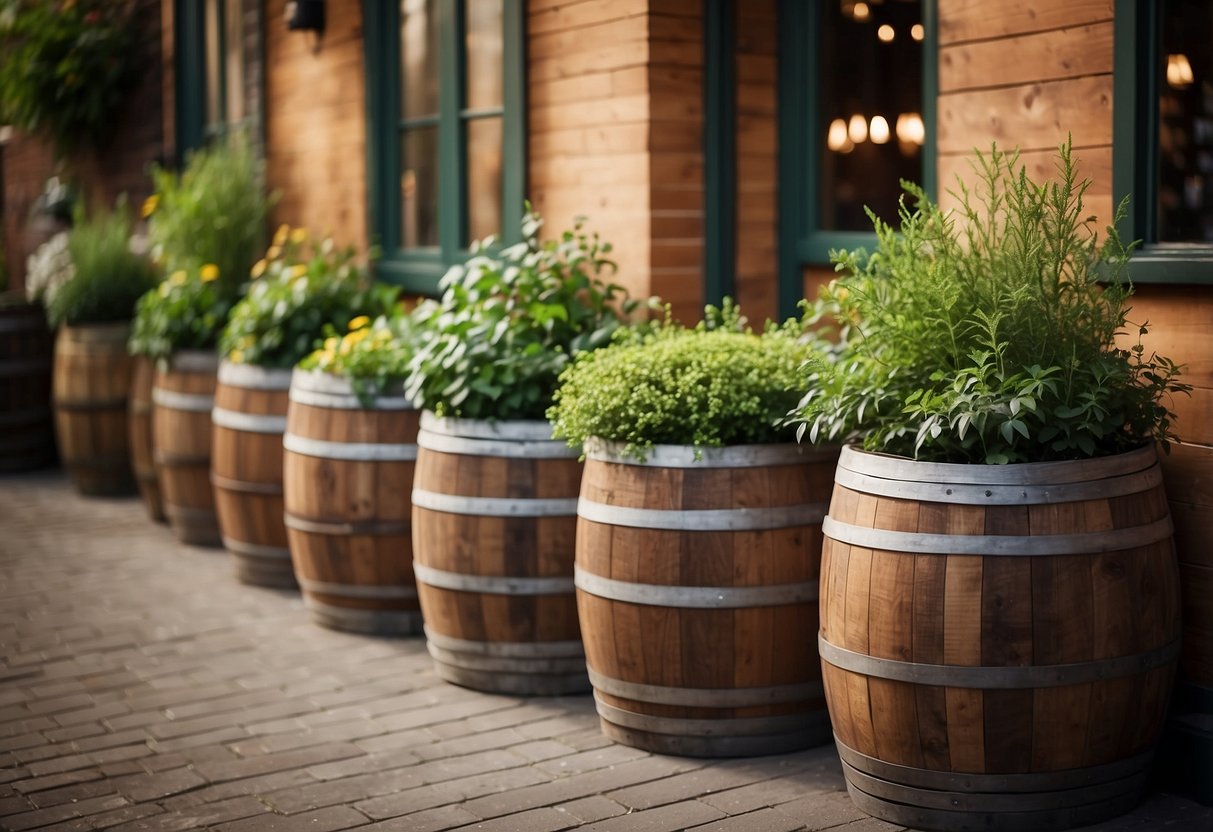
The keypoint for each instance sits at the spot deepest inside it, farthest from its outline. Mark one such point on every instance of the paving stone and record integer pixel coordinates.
(595, 807)
(821, 811)
(429, 820)
(74, 792)
(450, 791)
(669, 818)
(325, 820)
(105, 820)
(144, 787)
(43, 817)
(236, 769)
(766, 820)
(535, 820)
(197, 817)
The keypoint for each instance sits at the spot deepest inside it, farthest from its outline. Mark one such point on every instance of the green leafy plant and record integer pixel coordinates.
(715, 385)
(509, 321)
(67, 65)
(185, 312)
(371, 355)
(992, 335)
(298, 289)
(214, 212)
(108, 278)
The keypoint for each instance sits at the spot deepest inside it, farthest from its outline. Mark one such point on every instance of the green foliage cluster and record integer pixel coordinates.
(108, 279)
(185, 312)
(510, 320)
(372, 355)
(989, 337)
(214, 212)
(67, 65)
(298, 290)
(717, 384)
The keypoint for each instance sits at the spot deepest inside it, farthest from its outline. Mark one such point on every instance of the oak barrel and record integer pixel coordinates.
(694, 569)
(494, 520)
(998, 642)
(139, 422)
(348, 469)
(183, 393)
(248, 421)
(27, 438)
(92, 382)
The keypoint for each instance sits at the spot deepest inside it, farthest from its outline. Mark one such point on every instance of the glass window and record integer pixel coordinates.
(210, 69)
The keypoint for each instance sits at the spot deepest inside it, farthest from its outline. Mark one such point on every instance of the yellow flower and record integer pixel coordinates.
(236, 357)
(165, 288)
(280, 237)
(298, 235)
(273, 253)
(382, 336)
(298, 270)
(149, 206)
(247, 341)
(331, 342)
(359, 322)
(258, 268)
(358, 336)
(210, 272)
(177, 278)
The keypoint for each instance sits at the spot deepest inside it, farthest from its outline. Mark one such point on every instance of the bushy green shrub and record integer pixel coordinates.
(108, 279)
(371, 355)
(717, 384)
(185, 312)
(991, 336)
(509, 321)
(298, 289)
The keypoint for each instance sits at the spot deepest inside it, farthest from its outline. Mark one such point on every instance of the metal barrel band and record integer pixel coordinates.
(194, 361)
(1000, 495)
(509, 430)
(98, 461)
(702, 520)
(384, 592)
(350, 528)
(508, 649)
(705, 697)
(118, 333)
(494, 506)
(256, 550)
(492, 584)
(87, 405)
(699, 597)
(252, 377)
(1031, 473)
(731, 727)
(996, 678)
(190, 402)
(162, 457)
(509, 449)
(692, 456)
(390, 621)
(190, 515)
(265, 489)
(329, 401)
(1083, 543)
(349, 451)
(248, 422)
(338, 393)
(502, 664)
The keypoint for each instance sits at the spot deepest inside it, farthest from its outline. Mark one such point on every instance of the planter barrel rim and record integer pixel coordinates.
(529, 430)
(193, 361)
(254, 377)
(317, 388)
(109, 332)
(729, 456)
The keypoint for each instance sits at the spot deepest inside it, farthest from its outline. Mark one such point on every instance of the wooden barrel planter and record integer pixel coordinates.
(140, 436)
(92, 382)
(27, 436)
(998, 642)
(348, 469)
(183, 395)
(692, 577)
(248, 421)
(494, 520)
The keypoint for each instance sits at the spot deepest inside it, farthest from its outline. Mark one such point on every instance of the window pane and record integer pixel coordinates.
(484, 177)
(1185, 123)
(419, 188)
(418, 58)
(213, 47)
(869, 122)
(484, 40)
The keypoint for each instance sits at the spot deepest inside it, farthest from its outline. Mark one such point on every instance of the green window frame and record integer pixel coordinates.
(419, 269)
(802, 241)
(194, 126)
(1135, 82)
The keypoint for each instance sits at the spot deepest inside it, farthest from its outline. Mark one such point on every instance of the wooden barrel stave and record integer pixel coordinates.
(182, 397)
(91, 388)
(493, 530)
(348, 471)
(27, 432)
(728, 685)
(140, 436)
(1113, 611)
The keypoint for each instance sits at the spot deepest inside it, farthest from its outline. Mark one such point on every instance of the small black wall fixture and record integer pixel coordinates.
(305, 15)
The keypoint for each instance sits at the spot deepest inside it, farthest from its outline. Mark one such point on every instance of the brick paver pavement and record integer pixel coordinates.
(142, 688)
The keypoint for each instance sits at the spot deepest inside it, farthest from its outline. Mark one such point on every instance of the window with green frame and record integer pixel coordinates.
(210, 70)
(857, 88)
(1162, 141)
(445, 132)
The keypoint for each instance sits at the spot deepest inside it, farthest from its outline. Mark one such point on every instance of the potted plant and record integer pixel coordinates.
(999, 611)
(491, 480)
(700, 517)
(92, 312)
(349, 453)
(298, 289)
(205, 227)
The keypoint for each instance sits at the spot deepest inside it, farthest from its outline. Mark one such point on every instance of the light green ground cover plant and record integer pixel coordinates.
(298, 289)
(372, 355)
(715, 385)
(185, 312)
(510, 320)
(987, 335)
(108, 278)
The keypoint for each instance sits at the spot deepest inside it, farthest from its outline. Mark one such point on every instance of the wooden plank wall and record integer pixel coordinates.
(316, 123)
